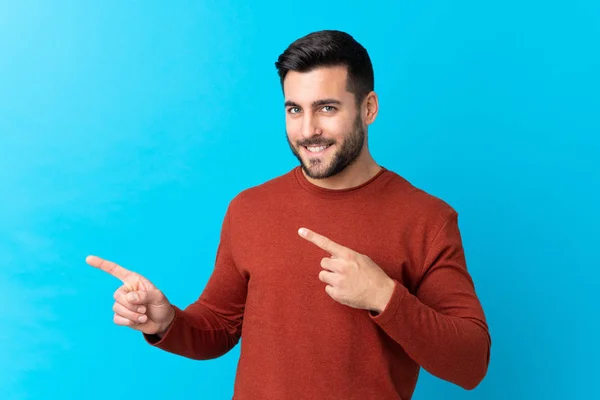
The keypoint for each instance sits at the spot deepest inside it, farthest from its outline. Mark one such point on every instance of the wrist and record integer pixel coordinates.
(163, 330)
(385, 294)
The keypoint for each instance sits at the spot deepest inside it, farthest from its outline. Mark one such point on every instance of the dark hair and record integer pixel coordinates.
(329, 48)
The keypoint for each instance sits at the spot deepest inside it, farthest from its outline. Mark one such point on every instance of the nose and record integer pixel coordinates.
(310, 127)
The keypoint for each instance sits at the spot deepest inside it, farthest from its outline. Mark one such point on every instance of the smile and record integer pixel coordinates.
(316, 150)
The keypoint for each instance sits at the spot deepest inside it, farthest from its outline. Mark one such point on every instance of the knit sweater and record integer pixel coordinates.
(296, 342)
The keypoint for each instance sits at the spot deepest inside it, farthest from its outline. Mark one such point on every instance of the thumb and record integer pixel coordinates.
(153, 296)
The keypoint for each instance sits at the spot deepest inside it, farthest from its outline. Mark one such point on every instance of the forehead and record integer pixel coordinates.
(319, 83)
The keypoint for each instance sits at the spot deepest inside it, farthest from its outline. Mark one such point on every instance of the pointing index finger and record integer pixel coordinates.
(323, 242)
(108, 266)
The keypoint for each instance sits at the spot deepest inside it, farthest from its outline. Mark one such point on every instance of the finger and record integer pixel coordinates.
(134, 301)
(327, 277)
(330, 291)
(108, 266)
(122, 321)
(122, 311)
(333, 264)
(323, 242)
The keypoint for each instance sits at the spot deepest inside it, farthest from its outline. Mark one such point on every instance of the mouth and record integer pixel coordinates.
(315, 151)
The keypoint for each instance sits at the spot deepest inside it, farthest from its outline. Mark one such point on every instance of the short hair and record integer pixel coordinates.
(328, 48)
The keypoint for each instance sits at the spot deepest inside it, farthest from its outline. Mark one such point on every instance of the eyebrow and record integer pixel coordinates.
(315, 103)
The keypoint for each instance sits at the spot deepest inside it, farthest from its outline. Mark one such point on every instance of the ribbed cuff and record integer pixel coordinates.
(392, 306)
(155, 340)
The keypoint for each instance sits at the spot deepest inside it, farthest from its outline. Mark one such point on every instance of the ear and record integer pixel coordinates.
(371, 108)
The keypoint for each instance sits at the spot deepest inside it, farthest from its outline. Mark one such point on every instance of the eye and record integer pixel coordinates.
(293, 110)
(328, 109)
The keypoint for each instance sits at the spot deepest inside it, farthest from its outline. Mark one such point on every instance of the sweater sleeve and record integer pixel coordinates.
(442, 326)
(212, 325)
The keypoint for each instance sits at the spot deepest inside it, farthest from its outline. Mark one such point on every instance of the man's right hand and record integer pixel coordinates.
(138, 303)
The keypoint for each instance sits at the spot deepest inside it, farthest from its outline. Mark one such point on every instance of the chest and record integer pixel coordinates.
(279, 260)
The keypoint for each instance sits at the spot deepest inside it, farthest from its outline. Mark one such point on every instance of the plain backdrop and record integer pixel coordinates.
(126, 127)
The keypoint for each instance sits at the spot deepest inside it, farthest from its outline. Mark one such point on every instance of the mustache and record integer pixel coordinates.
(315, 142)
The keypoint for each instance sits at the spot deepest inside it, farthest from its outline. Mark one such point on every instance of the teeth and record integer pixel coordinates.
(316, 149)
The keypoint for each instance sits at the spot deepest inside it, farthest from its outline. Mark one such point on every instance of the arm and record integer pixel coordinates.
(211, 326)
(442, 327)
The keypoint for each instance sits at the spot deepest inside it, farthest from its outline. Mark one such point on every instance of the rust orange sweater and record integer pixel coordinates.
(296, 341)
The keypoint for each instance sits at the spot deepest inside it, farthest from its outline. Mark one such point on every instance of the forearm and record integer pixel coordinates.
(197, 333)
(452, 347)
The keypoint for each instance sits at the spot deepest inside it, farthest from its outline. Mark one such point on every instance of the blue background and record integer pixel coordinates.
(127, 126)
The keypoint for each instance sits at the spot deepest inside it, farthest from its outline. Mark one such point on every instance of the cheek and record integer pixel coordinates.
(336, 128)
(293, 128)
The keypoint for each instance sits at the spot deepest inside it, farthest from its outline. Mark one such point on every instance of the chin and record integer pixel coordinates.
(316, 171)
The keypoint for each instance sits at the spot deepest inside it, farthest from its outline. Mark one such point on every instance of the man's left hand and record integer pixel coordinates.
(352, 278)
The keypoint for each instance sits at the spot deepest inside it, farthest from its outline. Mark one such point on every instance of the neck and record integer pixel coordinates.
(355, 174)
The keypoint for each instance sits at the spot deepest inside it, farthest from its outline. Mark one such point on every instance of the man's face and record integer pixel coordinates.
(324, 127)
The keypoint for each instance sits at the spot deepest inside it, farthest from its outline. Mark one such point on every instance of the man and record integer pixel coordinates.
(341, 277)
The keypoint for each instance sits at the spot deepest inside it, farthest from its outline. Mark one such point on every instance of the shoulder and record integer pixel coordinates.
(414, 202)
(264, 193)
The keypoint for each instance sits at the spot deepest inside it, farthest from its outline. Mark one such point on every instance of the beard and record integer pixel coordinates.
(342, 158)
